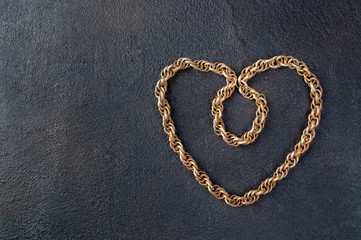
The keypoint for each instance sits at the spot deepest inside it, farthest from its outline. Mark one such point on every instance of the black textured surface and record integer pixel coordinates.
(83, 152)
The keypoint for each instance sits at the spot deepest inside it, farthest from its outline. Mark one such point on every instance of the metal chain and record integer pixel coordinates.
(262, 110)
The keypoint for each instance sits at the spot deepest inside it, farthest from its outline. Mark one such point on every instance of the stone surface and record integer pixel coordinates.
(83, 152)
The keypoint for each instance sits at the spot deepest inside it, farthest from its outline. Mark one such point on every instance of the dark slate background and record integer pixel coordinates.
(83, 152)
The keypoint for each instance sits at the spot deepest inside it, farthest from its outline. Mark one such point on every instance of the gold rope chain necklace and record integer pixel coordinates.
(219, 128)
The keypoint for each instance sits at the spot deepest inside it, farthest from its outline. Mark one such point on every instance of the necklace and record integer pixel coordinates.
(219, 128)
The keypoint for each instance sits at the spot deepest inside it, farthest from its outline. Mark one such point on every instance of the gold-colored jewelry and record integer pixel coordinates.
(262, 110)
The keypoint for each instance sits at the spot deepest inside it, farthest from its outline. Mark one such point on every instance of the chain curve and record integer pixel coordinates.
(258, 123)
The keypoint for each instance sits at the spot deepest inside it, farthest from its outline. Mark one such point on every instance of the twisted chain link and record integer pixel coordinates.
(219, 128)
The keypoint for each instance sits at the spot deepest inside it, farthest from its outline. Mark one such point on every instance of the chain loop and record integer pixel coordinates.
(262, 110)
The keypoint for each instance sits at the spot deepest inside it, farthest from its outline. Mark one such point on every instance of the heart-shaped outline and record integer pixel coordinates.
(262, 110)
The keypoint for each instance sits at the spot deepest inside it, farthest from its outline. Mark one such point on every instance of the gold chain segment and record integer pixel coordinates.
(262, 110)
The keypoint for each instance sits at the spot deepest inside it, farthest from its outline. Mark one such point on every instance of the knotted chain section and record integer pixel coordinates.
(262, 110)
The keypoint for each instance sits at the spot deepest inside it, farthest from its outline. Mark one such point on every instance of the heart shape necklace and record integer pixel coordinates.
(262, 110)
